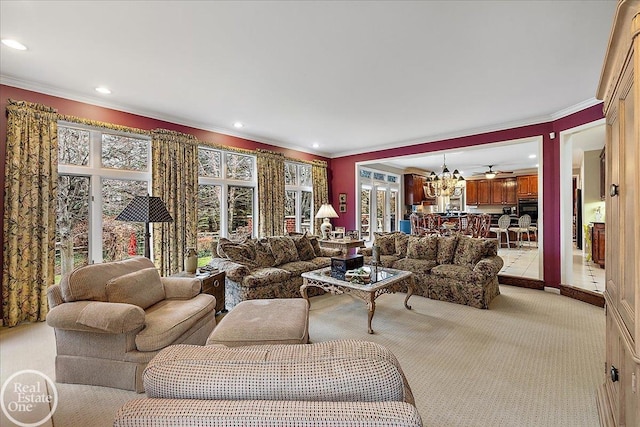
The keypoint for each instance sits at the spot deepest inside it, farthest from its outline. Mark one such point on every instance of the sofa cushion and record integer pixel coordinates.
(283, 249)
(416, 266)
(119, 319)
(168, 320)
(402, 241)
(386, 242)
(454, 272)
(264, 257)
(304, 247)
(469, 251)
(142, 288)
(425, 247)
(446, 249)
(491, 247)
(240, 252)
(89, 282)
(265, 276)
(296, 268)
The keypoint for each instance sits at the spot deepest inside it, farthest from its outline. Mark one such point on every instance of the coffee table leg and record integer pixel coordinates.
(409, 293)
(303, 291)
(372, 310)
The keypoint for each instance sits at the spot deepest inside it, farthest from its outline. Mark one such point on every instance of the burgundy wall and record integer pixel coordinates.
(344, 174)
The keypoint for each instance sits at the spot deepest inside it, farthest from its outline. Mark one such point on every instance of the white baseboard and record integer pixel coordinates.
(552, 290)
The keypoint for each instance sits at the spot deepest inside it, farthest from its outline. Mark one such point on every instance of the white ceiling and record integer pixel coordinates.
(351, 76)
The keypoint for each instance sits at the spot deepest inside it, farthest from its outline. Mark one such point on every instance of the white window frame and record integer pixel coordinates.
(298, 189)
(374, 185)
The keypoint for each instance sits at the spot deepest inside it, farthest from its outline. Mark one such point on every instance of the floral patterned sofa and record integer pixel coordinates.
(270, 267)
(458, 269)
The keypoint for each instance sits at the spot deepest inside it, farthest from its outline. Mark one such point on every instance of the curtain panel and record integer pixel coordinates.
(175, 181)
(270, 193)
(320, 189)
(31, 178)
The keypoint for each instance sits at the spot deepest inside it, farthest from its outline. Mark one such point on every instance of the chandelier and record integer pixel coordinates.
(445, 183)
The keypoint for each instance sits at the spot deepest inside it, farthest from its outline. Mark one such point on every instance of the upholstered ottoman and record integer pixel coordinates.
(264, 321)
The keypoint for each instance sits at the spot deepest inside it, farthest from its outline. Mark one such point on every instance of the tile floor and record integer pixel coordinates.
(523, 262)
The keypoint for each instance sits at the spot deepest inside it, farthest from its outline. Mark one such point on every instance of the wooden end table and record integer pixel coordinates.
(212, 283)
(342, 244)
(389, 281)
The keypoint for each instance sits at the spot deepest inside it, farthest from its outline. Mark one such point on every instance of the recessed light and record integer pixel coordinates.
(14, 44)
(537, 165)
(532, 156)
(237, 125)
(316, 145)
(103, 90)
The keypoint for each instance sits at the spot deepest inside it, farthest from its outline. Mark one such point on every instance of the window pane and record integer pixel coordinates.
(208, 220)
(365, 209)
(121, 239)
(305, 175)
(73, 146)
(290, 211)
(121, 152)
(307, 201)
(290, 174)
(240, 208)
(392, 209)
(380, 209)
(239, 167)
(72, 224)
(209, 163)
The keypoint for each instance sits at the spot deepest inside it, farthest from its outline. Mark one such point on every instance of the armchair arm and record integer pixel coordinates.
(96, 316)
(489, 267)
(233, 270)
(54, 296)
(181, 287)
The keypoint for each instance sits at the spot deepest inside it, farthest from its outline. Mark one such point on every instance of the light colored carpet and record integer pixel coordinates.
(534, 359)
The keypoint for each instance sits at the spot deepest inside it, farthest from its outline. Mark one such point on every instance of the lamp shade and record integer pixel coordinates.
(145, 209)
(326, 211)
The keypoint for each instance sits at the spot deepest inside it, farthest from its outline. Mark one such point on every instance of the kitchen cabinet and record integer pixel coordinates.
(414, 190)
(527, 186)
(472, 193)
(484, 192)
(503, 191)
(597, 243)
(618, 399)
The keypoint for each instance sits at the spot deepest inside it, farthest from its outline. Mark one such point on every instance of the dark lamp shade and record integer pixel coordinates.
(145, 209)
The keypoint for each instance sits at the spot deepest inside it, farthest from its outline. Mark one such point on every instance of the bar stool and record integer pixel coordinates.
(503, 227)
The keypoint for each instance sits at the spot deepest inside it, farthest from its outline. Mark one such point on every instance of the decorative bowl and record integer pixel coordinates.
(358, 275)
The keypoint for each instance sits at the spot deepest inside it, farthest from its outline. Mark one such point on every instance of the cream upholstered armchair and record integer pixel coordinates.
(110, 319)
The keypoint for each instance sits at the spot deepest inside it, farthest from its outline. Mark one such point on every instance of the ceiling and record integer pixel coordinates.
(349, 76)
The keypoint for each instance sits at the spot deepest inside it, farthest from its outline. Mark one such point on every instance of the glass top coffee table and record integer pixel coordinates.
(387, 281)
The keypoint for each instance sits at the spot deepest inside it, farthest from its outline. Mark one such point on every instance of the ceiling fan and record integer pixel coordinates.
(490, 174)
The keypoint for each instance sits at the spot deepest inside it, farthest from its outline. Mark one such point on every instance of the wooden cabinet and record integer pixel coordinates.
(618, 399)
(527, 186)
(414, 190)
(484, 192)
(211, 283)
(472, 193)
(597, 243)
(503, 191)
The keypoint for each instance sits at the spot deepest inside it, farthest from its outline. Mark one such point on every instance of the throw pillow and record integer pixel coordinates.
(264, 257)
(283, 249)
(304, 247)
(316, 245)
(240, 252)
(425, 247)
(386, 242)
(142, 288)
(402, 241)
(446, 249)
(469, 251)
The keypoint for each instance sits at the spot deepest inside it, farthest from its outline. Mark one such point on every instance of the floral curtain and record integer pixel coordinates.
(270, 193)
(175, 181)
(31, 178)
(320, 189)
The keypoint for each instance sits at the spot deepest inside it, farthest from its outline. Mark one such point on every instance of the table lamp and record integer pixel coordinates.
(326, 211)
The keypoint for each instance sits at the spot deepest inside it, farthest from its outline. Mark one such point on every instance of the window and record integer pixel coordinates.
(226, 198)
(379, 202)
(100, 171)
(298, 197)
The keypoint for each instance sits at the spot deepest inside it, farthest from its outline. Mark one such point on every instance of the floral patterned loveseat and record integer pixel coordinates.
(458, 269)
(270, 267)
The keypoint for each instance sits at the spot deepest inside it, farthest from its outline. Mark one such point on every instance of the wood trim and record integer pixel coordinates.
(590, 297)
(522, 282)
(604, 406)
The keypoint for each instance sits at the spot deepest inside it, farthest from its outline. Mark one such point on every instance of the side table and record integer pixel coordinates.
(342, 244)
(212, 283)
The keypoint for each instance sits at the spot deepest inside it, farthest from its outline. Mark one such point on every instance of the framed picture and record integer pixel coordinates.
(343, 198)
(338, 233)
(343, 207)
(353, 234)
